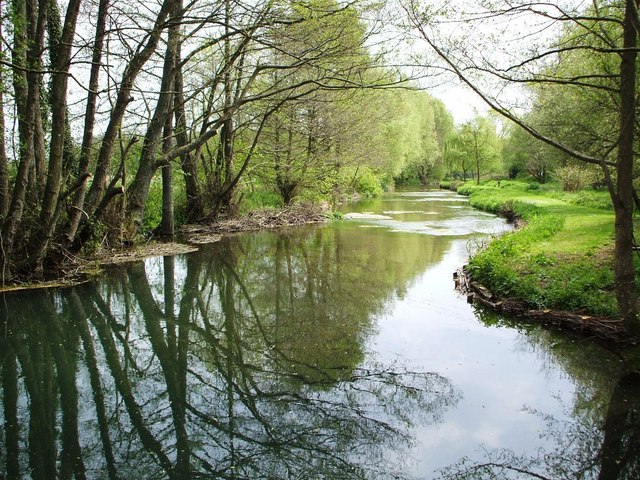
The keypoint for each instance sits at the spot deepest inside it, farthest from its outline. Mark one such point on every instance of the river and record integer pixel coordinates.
(339, 351)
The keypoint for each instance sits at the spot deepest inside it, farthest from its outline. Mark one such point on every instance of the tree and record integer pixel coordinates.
(426, 152)
(607, 30)
(474, 148)
(172, 86)
(415, 133)
(523, 153)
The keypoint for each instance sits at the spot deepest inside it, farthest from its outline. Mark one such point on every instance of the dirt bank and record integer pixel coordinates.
(79, 269)
(603, 328)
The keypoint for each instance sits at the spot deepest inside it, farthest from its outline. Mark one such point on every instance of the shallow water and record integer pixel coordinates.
(336, 352)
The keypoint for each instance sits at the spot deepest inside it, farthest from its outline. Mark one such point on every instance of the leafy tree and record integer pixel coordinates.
(182, 78)
(419, 134)
(602, 40)
(475, 148)
(524, 154)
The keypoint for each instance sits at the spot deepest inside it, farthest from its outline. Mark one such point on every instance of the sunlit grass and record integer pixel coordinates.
(562, 258)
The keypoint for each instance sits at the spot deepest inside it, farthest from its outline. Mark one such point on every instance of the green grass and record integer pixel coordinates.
(260, 200)
(561, 259)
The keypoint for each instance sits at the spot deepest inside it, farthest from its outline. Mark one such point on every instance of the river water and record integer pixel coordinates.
(339, 351)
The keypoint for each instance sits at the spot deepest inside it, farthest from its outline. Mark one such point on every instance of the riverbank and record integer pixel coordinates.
(79, 269)
(562, 260)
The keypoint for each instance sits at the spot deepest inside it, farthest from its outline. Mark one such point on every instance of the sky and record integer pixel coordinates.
(462, 103)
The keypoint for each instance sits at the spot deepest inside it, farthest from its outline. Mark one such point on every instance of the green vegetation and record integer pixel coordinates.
(264, 104)
(577, 121)
(561, 259)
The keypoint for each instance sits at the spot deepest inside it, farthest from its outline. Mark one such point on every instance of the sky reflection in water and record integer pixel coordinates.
(337, 351)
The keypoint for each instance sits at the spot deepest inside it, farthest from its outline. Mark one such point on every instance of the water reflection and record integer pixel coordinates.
(596, 437)
(582, 448)
(272, 356)
(245, 360)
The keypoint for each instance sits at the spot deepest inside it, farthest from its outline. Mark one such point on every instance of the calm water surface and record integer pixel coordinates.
(323, 352)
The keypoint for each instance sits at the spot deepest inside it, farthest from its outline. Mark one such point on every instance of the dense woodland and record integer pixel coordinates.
(121, 120)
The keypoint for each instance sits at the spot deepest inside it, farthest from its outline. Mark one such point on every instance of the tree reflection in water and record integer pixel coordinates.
(216, 365)
(601, 441)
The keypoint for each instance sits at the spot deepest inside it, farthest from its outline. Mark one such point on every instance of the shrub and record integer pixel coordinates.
(573, 178)
(259, 200)
(467, 189)
(593, 199)
(450, 185)
(334, 215)
(368, 184)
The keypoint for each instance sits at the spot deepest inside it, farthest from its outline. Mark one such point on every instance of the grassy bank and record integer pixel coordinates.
(561, 259)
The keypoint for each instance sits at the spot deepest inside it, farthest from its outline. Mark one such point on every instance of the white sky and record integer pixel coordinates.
(461, 102)
(502, 39)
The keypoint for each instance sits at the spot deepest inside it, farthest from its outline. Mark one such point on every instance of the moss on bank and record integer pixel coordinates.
(561, 259)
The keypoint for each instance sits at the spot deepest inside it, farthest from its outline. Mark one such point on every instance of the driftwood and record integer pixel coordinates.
(259, 220)
(604, 328)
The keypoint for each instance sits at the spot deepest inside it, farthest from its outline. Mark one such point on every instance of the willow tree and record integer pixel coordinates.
(605, 33)
(475, 147)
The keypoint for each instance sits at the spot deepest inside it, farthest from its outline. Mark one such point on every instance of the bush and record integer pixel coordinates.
(450, 185)
(334, 215)
(467, 189)
(573, 178)
(259, 200)
(369, 184)
(591, 199)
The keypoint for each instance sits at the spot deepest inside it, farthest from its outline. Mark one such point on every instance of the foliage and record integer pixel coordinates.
(259, 200)
(428, 127)
(474, 149)
(452, 185)
(276, 90)
(368, 184)
(582, 72)
(562, 258)
(573, 177)
(335, 215)
(525, 155)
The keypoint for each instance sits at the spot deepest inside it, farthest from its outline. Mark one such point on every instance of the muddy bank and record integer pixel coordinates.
(80, 269)
(607, 329)
(256, 220)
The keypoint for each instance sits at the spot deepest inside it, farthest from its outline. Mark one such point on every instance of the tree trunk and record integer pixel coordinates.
(626, 292)
(225, 160)
(129, 76)
(139, 189)
(188, 162)
(89, 121)
(28, 23)
(619, 445)
(4, 173)
(61, 54)
(167, 225)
